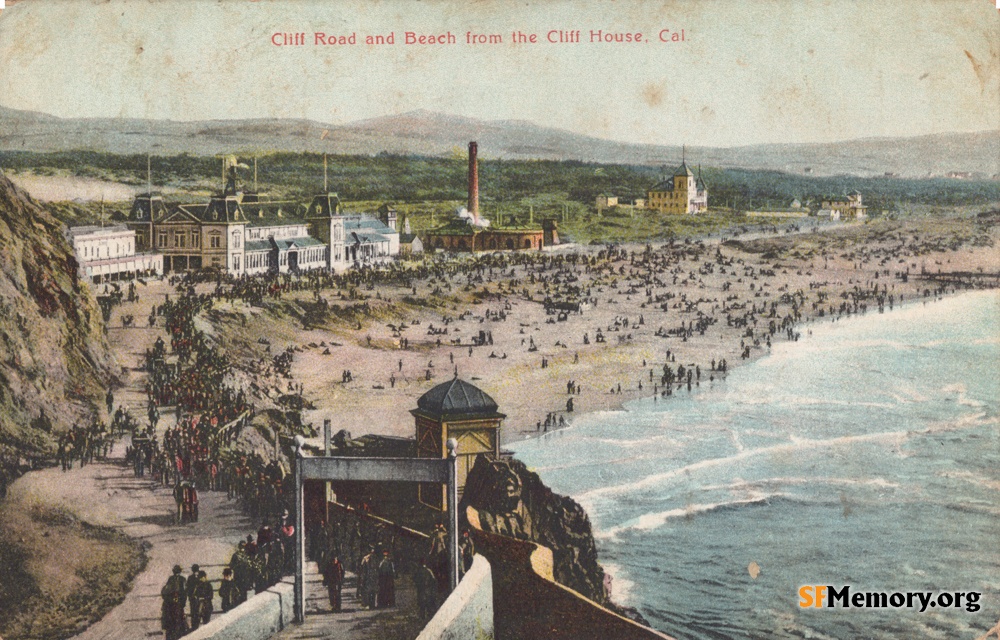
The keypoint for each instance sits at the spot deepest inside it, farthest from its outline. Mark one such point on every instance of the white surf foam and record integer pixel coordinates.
(795, 445)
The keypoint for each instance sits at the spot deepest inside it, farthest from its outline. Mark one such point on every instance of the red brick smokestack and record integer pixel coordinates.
(473, 181)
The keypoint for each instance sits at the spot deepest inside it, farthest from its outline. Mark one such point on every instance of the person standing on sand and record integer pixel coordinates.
(368, 579)
(228, 591)
(205, 595)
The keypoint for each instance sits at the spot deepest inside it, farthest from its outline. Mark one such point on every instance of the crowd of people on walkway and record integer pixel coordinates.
(83, 444)
(211, 415)
(257, 564)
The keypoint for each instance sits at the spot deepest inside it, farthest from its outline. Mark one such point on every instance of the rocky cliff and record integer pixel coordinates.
(55, 363)
(514, 501)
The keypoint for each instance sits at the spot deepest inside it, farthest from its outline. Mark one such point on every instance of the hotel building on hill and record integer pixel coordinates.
(682, 193)
(241, 233)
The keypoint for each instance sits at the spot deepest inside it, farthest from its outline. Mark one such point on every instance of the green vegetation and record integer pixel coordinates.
(59, 575)
(429, 189)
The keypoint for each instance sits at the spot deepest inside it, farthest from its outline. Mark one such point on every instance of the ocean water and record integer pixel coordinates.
(866, 454)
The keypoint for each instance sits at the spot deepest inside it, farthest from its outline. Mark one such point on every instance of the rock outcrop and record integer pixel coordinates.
(55, 364)
(513, 501)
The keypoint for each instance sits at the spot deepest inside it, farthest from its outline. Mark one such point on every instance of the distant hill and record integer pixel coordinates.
(434, 134)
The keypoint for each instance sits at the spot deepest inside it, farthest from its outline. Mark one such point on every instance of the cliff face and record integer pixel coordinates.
(55, 363)
(513, 501)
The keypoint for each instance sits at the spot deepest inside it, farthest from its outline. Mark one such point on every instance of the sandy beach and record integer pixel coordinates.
(693, 304)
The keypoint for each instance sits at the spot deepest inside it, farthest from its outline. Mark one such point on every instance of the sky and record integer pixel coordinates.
(747, 72)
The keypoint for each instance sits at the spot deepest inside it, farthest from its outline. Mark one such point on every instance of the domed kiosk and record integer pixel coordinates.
(460, 410)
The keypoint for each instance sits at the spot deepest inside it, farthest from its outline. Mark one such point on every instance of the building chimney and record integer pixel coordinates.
(473, 181)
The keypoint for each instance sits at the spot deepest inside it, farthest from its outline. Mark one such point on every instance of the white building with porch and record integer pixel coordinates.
(108, 253)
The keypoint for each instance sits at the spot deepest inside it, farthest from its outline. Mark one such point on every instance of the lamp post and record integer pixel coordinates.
(300, 538)
(452, 445)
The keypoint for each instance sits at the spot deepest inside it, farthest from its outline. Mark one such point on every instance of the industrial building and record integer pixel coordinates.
(470, 232)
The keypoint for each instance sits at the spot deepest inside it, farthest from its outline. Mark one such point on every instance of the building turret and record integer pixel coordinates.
(146, 209)
(326, 224)
(460, 410)
(387, 214)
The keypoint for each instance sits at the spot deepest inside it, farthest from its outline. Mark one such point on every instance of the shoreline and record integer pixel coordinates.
(925, 315)
(625, 408)
(389, 372)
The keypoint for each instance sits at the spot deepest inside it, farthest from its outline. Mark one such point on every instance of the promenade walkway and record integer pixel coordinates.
(108, 493)
(397, 623)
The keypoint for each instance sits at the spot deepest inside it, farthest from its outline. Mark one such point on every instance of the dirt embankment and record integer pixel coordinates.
(60, 574)
(55, 363)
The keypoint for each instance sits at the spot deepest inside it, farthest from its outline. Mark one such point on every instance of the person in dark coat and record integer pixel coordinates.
(368, 579)
(275, 562)
(194, 608)
(205, 594)
(172, 613)
(242, 573)
(386, 582)
(333, 580)
(426, 586)
(251, 547)
(229, 593)
(437, 557)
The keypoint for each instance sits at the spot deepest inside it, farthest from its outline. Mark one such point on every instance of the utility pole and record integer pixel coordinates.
(326, 189)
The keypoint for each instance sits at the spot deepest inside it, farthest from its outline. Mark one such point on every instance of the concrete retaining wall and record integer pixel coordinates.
(529, 604)
(467, 614)
(259, 618)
